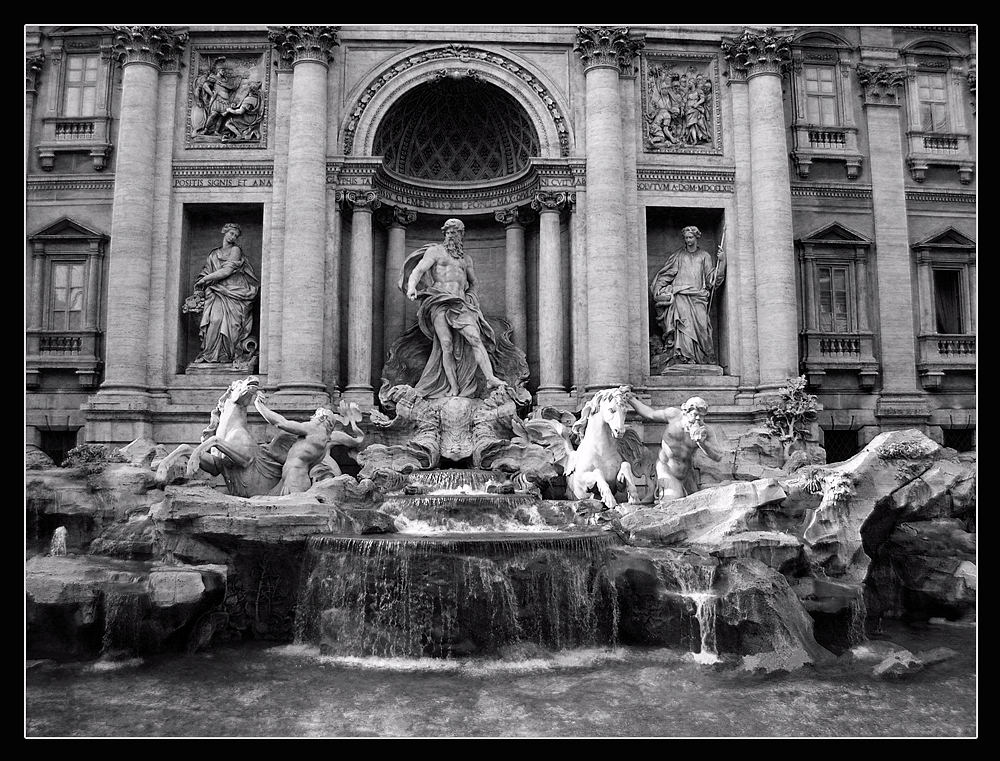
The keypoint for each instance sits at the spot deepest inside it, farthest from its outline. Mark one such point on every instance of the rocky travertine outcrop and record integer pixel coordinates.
(79, 607)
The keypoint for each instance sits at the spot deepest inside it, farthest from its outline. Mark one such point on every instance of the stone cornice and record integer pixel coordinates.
(33, 63)
(305, 43)
(544, 201)
(157, 46)
(606, 46)
(69, 182)
(215, 170)
(940, 196)
(831, 191)
(365, 200)
(756, 53)
(880, 85)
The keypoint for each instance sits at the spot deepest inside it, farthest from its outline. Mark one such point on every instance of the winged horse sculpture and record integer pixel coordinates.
(607, 450)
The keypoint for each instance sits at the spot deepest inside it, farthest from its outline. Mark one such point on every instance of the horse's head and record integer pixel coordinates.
(610, 406)
(241, 392)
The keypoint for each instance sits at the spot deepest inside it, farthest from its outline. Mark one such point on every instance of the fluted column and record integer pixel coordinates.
(37, 276)
(602, 50)
(142, 51)
(551, 318)
(395, 301)
(309, 49)
(359, 320)
(763, 56)
(515, 281)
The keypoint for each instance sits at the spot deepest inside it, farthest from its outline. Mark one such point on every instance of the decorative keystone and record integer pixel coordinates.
(545, 201)
(359, 200)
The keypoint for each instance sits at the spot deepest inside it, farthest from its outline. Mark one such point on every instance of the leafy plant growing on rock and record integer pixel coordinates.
(89, 459)
(790, 414)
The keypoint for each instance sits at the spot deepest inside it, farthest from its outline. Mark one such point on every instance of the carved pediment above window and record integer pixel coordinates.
(836, 234)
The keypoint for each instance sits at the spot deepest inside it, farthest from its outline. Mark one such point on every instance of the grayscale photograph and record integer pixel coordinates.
(500, 381)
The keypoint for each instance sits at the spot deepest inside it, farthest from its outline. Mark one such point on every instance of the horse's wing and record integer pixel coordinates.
(551, 435)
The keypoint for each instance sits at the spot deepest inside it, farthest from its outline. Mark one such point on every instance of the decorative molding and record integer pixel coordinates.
(685, 181)
(831, 191)
(33, 65)
(69, 182)
(364, 201)
(880, 85)
(225, 76)
(396, 190)
(626, 64)
(605, 46)
(561, 174)
(156, 45)
(463, 54)
(304, 43)
(544, 201)
(514, 215)
(665, 115)
(396, 216)
(222, 175)
(756, 53)
(940, 196)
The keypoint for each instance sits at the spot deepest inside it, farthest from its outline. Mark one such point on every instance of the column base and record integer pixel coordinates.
(555, 397)
(118, 415)
(895, 411)
(363, 396)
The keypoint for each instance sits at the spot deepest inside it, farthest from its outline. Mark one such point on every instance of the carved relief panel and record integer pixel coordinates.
(680, 103)
(227, 99)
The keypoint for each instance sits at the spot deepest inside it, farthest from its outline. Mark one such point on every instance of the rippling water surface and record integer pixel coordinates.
(291, 691)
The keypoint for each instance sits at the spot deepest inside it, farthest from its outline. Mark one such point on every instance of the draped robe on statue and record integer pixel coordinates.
(681, 291)
(227, 318)
(418, 349)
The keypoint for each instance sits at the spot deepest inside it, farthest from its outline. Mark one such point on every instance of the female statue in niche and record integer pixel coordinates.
(225, 290)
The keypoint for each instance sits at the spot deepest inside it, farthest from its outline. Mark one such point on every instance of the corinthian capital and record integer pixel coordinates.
(33, 63)
(358, 200)
(305, 43)
(547, 201)
(880, 84)
(513, 216)
(758, 52)
(155, 45)
(608, 46)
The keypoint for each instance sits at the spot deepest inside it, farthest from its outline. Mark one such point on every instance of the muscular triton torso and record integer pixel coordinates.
(449, 274)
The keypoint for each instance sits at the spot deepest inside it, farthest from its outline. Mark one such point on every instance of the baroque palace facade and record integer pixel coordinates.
(834, 167)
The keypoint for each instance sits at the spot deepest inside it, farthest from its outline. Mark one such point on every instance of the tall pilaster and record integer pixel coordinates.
(399, 217)
(33, 64)
(742, 272)
(602, 50)
(763, 56)
(309, 48)
(515, 281)
(142, 51)
(551, 340)
(900, 400)
(359, 320)
(638, 340)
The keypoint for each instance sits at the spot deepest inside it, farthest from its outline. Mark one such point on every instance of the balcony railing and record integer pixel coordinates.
(49, 343)
(941, 143)
(842, 352)
(839, 346)
(941, 354)
(827, 138)
(68, 131)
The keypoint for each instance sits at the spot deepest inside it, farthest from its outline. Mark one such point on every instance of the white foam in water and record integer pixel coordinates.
(567, 659)
(101, 666)
(421, 528)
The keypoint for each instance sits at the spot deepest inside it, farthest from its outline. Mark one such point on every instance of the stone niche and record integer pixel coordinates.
(202, 233)
(663, 237)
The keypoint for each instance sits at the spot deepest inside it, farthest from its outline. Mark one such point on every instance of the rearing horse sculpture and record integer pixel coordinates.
(228, 448)
(607, 450)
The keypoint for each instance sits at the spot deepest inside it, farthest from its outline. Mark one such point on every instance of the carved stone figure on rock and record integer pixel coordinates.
(224, 295)
(311, 448)
(682, 294)
(607, 451)
(685, 433)
(443, 278)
